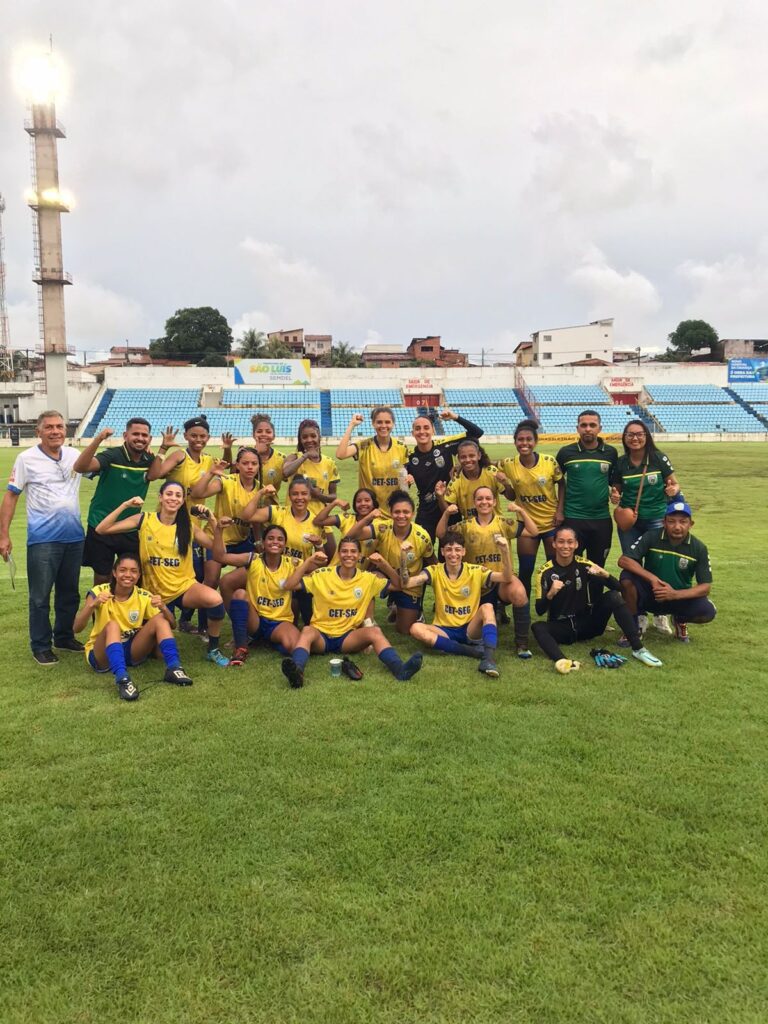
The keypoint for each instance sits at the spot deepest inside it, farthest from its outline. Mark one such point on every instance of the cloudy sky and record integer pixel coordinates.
(478, 170)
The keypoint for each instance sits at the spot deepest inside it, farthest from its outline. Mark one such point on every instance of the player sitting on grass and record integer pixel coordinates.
(165, 551)
(261, 607)
(564, 595)
(460, 617)
(341, 595)
(660, 569)
(129, 624)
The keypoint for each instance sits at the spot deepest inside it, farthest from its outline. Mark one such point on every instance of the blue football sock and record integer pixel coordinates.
(490, 637)
(202, 620)
(300, 657)
(448, 646)
(116, 658)
(391, 659)
(238, 613)
(170, 653)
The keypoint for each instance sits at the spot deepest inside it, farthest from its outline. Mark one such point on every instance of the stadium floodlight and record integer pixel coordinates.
(40, 77)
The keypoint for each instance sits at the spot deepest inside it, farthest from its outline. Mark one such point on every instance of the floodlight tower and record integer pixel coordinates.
(6, 356)
(47, 204)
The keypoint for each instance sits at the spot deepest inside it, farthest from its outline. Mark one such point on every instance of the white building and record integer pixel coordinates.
(558, 346)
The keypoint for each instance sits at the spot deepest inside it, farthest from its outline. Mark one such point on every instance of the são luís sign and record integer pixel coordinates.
(272, 371)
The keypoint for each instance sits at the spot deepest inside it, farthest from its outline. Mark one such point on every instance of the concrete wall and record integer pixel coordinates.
(453, 377)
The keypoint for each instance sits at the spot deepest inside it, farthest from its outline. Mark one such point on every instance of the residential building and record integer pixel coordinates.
(585, 344)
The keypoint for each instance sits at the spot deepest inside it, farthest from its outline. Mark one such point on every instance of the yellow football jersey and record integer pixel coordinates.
(478, 539)
(367, 546)
(320, 474)
(388, 546)
(339, 605)
(130, 615)
(230, 501)
(461, 491)
(297, 546)
(272, 473)
(164, 570)
(188, 472)
(264, 590)
(535, 487)
(379, 470)
(456, 601)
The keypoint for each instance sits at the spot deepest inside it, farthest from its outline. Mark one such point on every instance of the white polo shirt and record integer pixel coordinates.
(53, 495)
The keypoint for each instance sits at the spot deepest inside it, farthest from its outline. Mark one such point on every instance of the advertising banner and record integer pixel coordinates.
(272, 371)
(747, 371)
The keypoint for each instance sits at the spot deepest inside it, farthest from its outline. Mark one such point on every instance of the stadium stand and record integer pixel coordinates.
(682, 393)
(673, 408)
(753, 394)
(705, 419)
(584, 395)
(561, 419)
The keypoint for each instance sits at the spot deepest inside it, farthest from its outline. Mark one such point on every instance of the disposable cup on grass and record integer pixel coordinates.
(335, 666)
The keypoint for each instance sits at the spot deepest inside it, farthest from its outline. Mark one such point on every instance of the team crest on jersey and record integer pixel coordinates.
(358, 592)
(439, 460)
(133, 616)
(271, 474)
(541, 480)
(395, 463)
(682, 563)
(653, 479)
(554, 577)
(603, 467)
(578, 582)
(465, 591)
(415, 460)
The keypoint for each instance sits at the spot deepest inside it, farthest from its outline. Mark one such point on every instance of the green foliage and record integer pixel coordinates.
(689, 336)
(536, 849)
(343, 355)
(194, 334)
(252, 345)
(277, 349)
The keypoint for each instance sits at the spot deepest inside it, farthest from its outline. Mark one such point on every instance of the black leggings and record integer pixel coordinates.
(550, 634)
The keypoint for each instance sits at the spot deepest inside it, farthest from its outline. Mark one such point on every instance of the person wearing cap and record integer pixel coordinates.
(659, 571)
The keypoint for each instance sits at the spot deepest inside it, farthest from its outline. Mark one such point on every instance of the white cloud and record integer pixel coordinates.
(626, 295)
(96, 317)
(731, 294)
(295, 293)
(253, 320)
(586, 165)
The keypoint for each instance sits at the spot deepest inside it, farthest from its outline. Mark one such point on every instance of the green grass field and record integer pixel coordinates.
(536, 848)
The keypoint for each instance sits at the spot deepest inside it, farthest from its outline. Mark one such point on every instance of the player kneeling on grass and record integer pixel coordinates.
(261, 610)
(564, 595)
(460, 617)
(660, 569)
(165, 551)
(341, 596)
(129, 624)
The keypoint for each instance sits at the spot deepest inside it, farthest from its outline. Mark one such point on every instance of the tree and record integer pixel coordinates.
(276, 349)
(252, 345)
(343, 355)
(194, 334)
(691, 335)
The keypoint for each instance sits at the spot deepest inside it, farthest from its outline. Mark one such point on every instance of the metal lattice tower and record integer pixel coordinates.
(6, 356)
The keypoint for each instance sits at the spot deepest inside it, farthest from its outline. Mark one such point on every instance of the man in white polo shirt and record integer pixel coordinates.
(54, 536)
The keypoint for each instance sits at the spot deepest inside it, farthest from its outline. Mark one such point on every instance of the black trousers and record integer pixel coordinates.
(550, 634)
(594, 536)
